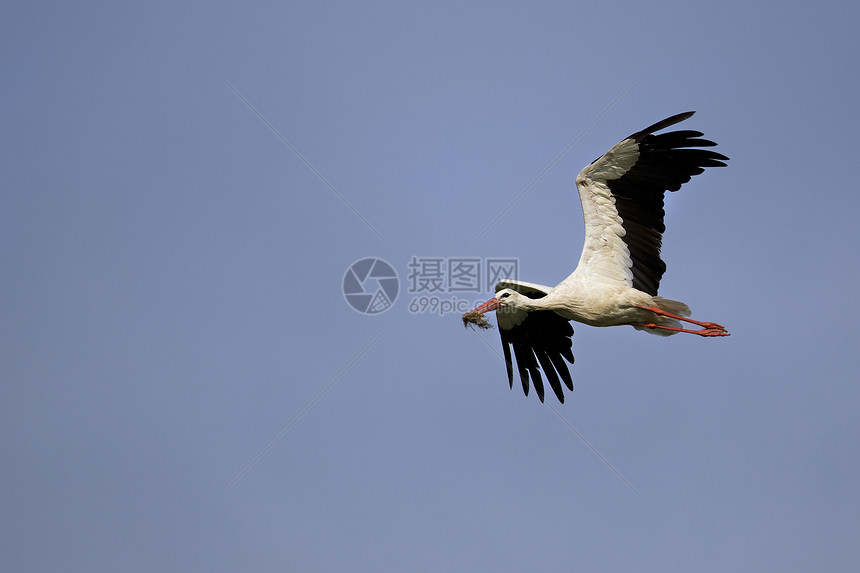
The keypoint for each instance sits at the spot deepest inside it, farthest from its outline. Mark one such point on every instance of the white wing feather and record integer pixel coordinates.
(605, 257)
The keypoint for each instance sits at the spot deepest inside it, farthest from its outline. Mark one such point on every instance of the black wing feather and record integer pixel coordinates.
(541, 342)
(666, 161)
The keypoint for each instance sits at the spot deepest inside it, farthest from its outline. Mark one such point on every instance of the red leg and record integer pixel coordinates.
(703, 332)
(708, 328)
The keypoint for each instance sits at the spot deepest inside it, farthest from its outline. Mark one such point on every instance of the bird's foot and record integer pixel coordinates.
(712, 329)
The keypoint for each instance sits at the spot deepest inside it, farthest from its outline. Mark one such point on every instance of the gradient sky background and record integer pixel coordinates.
(171, 292)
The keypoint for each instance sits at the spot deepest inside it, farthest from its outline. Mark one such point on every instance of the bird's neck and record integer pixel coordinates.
(560, 301)
(531, 304)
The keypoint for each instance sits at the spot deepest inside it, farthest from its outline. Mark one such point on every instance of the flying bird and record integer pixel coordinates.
(619, 272)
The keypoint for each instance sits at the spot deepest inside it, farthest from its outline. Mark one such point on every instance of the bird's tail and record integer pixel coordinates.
(672, 306)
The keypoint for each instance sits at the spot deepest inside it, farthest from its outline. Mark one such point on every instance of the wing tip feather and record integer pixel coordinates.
(662, 124)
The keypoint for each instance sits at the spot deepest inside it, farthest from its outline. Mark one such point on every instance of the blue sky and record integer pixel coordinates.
(173, 270)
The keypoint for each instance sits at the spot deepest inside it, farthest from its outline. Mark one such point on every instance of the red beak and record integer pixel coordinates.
(491, 304)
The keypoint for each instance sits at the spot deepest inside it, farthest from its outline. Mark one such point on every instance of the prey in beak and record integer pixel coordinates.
(476, 317)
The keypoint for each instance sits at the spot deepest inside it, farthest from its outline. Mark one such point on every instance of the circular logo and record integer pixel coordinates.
(370, 285)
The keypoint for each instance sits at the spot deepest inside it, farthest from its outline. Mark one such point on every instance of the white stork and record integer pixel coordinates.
(619, 272)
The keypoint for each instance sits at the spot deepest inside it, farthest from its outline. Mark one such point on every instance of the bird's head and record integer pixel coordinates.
(506, 300)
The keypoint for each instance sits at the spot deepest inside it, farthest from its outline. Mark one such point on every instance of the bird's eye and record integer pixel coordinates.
(505, 295)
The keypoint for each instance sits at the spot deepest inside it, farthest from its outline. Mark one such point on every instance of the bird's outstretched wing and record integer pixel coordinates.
(540, 340)
(622, 201)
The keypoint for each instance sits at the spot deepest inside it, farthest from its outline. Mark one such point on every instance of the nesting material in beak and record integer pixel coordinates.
(476, 318)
